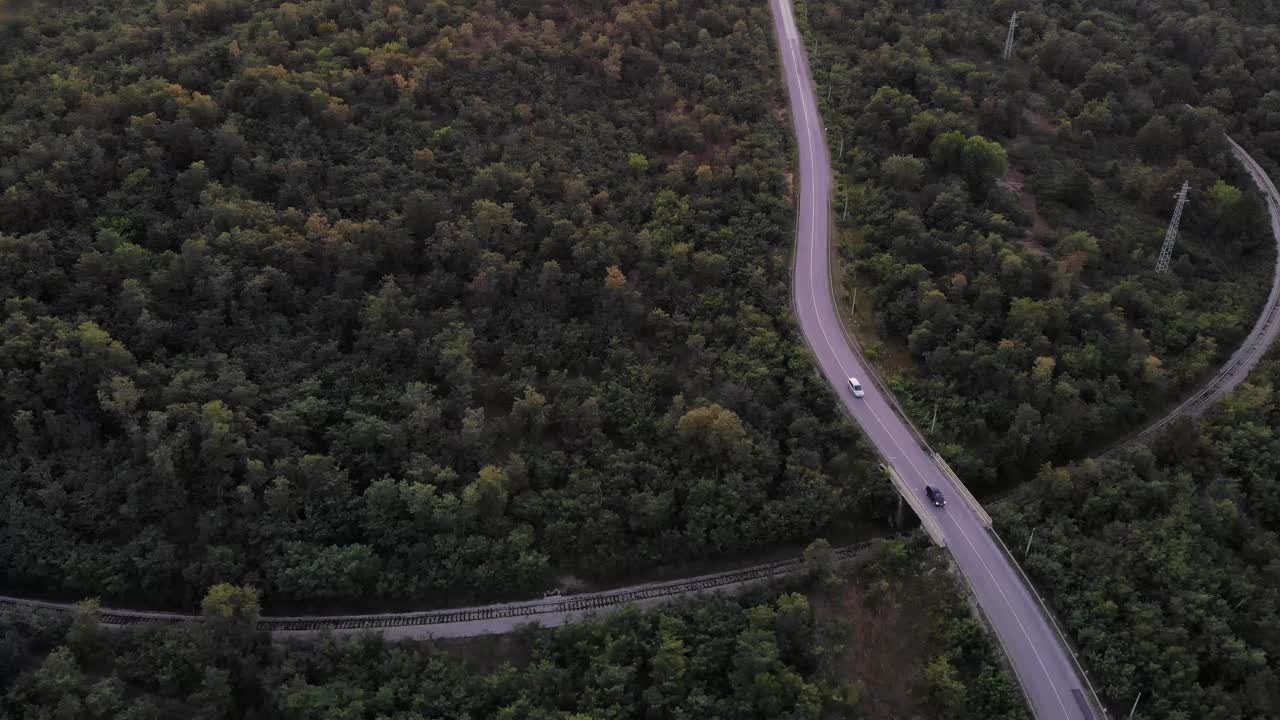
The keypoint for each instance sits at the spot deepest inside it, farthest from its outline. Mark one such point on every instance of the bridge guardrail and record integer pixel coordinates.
(1005, 656)
(1094, 700)
(964, 491)
(927, 521)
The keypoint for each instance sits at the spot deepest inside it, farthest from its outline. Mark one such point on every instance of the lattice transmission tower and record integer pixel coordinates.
(1166, 250)
(1008, 39)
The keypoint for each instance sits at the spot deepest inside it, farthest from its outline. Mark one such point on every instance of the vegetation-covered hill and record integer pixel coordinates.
(1004, 217)
(773, 656)
(345, 299)
(1165, 564)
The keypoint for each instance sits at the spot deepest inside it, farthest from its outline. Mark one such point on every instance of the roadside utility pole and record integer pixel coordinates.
(1134, 709)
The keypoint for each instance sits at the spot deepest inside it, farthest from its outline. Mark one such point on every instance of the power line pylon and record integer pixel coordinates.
(1166, 250)
(1008, 39)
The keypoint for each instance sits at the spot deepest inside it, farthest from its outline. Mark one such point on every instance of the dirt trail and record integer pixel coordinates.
(1015, 182)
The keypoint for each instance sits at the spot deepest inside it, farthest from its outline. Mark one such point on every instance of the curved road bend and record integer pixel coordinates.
(1040, 662)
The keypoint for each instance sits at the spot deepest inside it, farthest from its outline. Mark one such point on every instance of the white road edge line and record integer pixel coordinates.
(814, 298)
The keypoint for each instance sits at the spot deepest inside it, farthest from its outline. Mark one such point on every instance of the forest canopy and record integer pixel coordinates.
(347, 299)
(1165, 563)
(791, 652)
(1004, 216)
(1003, 221)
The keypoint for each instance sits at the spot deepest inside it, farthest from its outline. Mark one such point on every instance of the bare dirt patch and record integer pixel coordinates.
(889, 632)
(1036, 116)
(791, 187)
(570, 583)
(1039, 120)
(1016, 182)
(487, 653)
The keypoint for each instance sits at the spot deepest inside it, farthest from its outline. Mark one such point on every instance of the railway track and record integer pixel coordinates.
(1228, 377)
(1264, 331)
(552, 606)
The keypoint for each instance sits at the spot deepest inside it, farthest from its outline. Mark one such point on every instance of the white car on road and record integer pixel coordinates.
(856, 387)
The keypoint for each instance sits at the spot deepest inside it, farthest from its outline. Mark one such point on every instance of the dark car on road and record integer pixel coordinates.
(935, 496)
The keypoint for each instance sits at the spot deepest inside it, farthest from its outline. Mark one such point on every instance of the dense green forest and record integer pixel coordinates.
(772, 655)
(355, 298)
(1002, 218)
(1164, 563)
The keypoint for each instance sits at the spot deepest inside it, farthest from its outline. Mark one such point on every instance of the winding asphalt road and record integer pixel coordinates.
(1037, 655)
(1039, 659)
